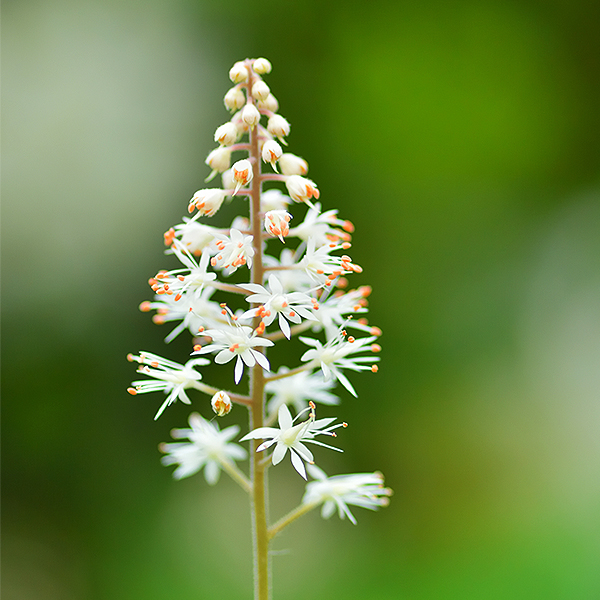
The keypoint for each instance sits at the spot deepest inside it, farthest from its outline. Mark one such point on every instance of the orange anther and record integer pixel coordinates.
(292, 313)
(351, 339)
(375, 348)
(374, 368)
(145, 306)
(130, 357)
(132, 391)
(348, 226)
(158, 319)
(200, 329)
(177, 297)
(197, 348)
(375, 331)
(346, 245)
(181, 277)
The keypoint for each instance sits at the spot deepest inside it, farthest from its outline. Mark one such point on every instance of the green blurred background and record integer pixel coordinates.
(462, 140)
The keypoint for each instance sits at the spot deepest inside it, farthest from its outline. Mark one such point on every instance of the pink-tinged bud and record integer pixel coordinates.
(279, 127)
(226, 134)
(290, 164)
(221, 403)
(250, 115)
(301, 189)
(207, 201)
(234, 99)
(238, 73)
(271, 151)
(269, 104)
(260, 90)
(262, 66)
(218, 160)
(277, 223)
(242, 174)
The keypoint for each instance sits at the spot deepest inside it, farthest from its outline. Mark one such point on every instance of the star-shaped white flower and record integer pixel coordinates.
(236, 341)
(233, 251)
(208, 448)
(335, 355)
(178, 281)
(169, 377)
(358, 489)
(293, 306)
(294, 437)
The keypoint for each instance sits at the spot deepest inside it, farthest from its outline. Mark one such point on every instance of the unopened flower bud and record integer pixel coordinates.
(207, 201)
(242, 173)
(271, 151)
(234, 99)
(277, 223)
(238, 73)
(279, 127)
(260, 90)
(218, 160)
(270, 103)
(261, 66)
(290, 164)
(221, 403)
(302, 189)
(250, 115)
(226, 134)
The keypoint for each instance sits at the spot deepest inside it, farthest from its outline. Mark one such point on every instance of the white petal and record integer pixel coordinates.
(279, 453)
(261, 359)
(284, 417)
(298, 464)
(239, 370)
(260, 434)
(212, 472)
(224, 356)
(284, 326)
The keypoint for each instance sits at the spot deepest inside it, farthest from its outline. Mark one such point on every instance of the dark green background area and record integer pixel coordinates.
(461, 138)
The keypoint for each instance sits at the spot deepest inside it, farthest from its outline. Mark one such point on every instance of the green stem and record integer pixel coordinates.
(290, 518)
(258, 476)
(237, 475)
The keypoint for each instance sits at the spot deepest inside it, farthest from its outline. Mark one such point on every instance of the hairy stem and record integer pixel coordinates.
(290, 518)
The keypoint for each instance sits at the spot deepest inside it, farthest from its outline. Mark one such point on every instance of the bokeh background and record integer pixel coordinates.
(462, 139)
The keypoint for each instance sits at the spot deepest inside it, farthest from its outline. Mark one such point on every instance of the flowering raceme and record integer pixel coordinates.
(294, 278)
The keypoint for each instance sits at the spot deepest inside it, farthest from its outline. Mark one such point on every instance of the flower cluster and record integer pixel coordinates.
(291, 276)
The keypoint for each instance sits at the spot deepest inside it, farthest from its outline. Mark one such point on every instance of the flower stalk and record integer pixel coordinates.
(294, 280)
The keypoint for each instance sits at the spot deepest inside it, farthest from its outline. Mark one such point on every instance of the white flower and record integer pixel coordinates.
(178, 281)
(219, 160)
(250, 115)
(221, 403)
(273, 200)
(271, 151)
(208, 447)
(293, 306)
(234, 98)
(359, 489)
(260, 90)
(322, 227)
(279, 127)
(238, 73)
(194, 312)
(192, 236)
(335, 355)
(270, 104)
(277, 223)
(301, 189)
(294, 437)
(332, 311)
(262, 66)
(291, 164)
(236, 341)
(296, 390)
(207, 201)
(233, 251)
(226, 134)
(321, 266)
(242, 174)
(169, 377)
